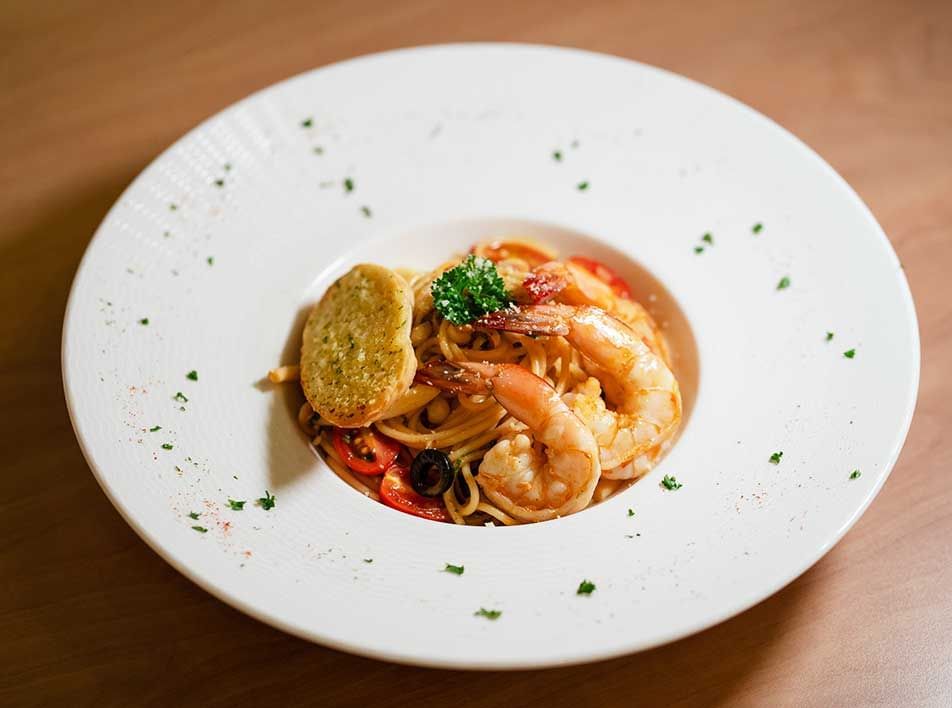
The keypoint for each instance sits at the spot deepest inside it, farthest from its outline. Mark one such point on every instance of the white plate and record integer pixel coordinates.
(441, 143)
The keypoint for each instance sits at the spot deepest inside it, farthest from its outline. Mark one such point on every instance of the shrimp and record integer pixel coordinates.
(572, 284)
(644, 392)
(529, 483)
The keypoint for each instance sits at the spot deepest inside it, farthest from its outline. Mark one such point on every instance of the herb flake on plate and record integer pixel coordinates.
(670, 483)
(586, 587)
(775, 458)
(757, 228)
(784, 283)
(582, 186)
(235, 505)
(855, 474)
(849, 353)
(488, 614)
(200, 529)
(829, 336)
(166, 446)
(192, 375)
(455, 569)
(267, 501)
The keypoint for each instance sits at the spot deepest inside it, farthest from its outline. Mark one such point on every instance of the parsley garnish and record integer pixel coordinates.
(471, 289)
(348, 185)
(757, 228)
(670, 482)
(582, 186)
(154, 428)
(855, 474)
(200, 529)
(219, 183)
(144, 321)
(173, 206)
(585, 587)
(849, 353)
(365, 210)
(166, 446)
(267, 501)
(368, 560)
(784, 283)
(193, 515)
(707, 238)
(829, 336)
(557, 156)
(699, 249)
(180, 397)
(455, 569)
(307, 122)
(488, 614)
(236, 505)
(775, 458)
(192, 375)
(631, 512)
(210, 260)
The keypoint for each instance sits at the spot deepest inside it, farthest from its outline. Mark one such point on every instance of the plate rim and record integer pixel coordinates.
(570, 658)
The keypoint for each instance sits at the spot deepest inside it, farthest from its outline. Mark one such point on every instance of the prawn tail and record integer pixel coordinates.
(453, 377)
(534, 320)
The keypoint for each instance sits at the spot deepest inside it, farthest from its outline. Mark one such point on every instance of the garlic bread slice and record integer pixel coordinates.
(356, 356)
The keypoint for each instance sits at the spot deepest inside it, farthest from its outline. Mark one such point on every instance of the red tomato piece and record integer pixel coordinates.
(364, 450)
(541, 286)
(605, 274)
(397, 492)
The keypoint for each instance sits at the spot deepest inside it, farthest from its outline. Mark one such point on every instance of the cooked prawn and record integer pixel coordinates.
(642, 389)
(572, 284)
(529, 483)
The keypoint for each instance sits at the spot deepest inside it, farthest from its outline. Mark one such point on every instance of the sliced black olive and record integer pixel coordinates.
(432, 473)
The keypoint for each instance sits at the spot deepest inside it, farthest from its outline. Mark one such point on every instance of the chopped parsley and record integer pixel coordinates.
(631, 512)
(365, 210)
(455, 569)
(210, 260)
(855, 474)
(557, 156)
(193, 515)
(829, 336)
(307, 122)
(144, 321)
(671, 483)
(227, 167)
(470, 290)
(707, 238)
(192, 375)
(775, 458)
(155, 428)
(585, 587)
(200, 529)
(699, 249)
(784, 283)
(219, 182)
(173, 206)
(166, 446)
(757, 228)
(582, 186)
(368, 560)
(348, 185)
(180, 397)
(318, 150)
(236, 505)
(849, 353)
(267, 501)
(488, 614)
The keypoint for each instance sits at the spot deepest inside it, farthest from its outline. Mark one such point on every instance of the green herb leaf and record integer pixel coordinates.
(557, 156)
(849, 353)
(855, 474)
(192, 375)
(348, 185)
(166, 446)
(775, 458)
(219, 183)
(210, 260)
(307, 122)
(236, 505)
(267, 501)
(699, 249)
(180, 397)
(200, 529)
(456, 569)
(154, 428)
(585, 587)
(470, 290)
(707, 238)
(784, 283)
(365, 210)
(144, 321)
(631, 512)
(829, 336)
(368, 560)
(671, 483)
(193, 515)
(488, 614)
(757, 228)
(227, 167)
(582, 186)
(173, 206)
(318, 150)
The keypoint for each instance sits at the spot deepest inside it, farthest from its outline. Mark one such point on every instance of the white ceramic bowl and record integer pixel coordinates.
(444, 145)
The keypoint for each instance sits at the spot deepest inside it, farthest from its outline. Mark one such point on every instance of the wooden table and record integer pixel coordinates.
(90, 93)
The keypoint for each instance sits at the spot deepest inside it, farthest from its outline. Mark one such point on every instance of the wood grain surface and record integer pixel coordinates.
(91, 92)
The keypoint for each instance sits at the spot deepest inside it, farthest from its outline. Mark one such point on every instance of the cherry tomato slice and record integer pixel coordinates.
(532, 253)
(397, 492)
(605, 274)
(365, 450)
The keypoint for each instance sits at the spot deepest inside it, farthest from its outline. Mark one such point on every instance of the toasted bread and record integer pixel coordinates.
(356, 355)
